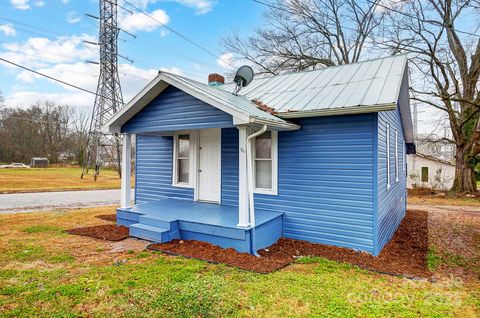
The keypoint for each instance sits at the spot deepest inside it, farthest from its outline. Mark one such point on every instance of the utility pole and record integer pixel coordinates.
(101, 148)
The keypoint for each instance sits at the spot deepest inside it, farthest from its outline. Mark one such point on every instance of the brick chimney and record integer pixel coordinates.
(215, 79)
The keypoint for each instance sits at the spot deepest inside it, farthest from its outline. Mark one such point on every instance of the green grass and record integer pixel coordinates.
(433, 260)
(43, 229)
(47, 275)
(175, 287)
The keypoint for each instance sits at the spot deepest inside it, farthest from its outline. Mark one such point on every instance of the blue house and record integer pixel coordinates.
(316, 156)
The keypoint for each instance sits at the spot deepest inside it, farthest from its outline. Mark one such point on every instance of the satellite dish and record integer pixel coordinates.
(243, 77)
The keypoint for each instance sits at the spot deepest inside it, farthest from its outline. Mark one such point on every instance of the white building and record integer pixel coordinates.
(425, 171)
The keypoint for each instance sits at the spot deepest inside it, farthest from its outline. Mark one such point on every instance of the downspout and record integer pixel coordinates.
(251, 202)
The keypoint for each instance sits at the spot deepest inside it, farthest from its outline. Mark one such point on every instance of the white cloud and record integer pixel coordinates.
(20, 4)
(73, 17)
(132, 79)
(225, 60)
(7, 30)
(173, 70)
(25, 4)
(26, 98)
(139, 22)
(40, 52)
(201, 6)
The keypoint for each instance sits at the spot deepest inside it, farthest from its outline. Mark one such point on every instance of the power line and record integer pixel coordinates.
(290, 12)
(417, 18)
(29, 25)
(373, 3)
(178, 33)
(49, 77)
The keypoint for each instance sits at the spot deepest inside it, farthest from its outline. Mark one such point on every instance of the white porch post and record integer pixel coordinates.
(126, 171)
(242, 178)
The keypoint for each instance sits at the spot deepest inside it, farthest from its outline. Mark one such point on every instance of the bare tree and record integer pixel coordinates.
(447, 59)
(43, 129)
(307, 34)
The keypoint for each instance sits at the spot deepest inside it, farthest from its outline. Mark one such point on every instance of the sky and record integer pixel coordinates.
(49, 35)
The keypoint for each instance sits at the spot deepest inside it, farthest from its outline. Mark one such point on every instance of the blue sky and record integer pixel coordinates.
(48, 35)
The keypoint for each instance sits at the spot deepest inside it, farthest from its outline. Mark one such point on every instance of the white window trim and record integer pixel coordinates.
(396, 156)
(404, 165)
(274, 190)
(388, 155)
(191, 177)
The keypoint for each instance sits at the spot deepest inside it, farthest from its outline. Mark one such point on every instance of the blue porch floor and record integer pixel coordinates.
(167, 219)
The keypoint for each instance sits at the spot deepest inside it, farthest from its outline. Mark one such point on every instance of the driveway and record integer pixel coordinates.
(29, 202)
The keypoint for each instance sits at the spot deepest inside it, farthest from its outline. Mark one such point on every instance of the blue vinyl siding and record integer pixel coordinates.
(230, 166)
(325, 180)
(392, 202)
(174, 110)
(154, 170)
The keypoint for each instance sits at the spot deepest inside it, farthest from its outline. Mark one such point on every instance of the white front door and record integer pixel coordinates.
(209, 165)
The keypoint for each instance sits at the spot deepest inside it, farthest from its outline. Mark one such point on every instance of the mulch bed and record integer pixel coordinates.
(107, 232)
(404, 255)
(107, 217)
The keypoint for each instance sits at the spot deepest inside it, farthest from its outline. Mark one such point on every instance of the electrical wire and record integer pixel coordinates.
(178, 33)
(49, 77)
(437, 23)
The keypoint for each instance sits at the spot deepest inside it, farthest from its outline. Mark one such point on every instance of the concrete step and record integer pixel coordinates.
(150, 233)
(156, 221)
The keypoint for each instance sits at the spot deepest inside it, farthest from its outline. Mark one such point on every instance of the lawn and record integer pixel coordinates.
(426, 196)
(45, 272)
(54, 179)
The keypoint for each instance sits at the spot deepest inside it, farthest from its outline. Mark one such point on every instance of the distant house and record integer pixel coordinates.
(39, 162)
(425, 171)
(317, 156)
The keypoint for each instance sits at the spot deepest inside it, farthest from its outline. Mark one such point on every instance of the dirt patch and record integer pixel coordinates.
(404, 255)
(108, 232)
(455, 239)
(107, 217)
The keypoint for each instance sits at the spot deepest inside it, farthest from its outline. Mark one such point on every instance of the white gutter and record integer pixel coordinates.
(251, 201)
(338, 111)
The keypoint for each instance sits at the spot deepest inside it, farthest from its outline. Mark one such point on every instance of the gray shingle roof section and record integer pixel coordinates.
(364, 84)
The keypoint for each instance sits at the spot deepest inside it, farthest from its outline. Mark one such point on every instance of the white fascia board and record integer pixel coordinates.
(339, 111)
(274, 124)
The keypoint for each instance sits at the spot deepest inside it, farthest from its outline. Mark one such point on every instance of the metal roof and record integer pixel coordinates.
(359, 85)
(238, 102)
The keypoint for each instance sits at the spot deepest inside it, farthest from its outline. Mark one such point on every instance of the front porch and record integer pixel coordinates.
(168, 219)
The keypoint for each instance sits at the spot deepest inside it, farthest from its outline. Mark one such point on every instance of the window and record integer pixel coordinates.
(265, 163)
(396, 155)
(181, 162)
(387, 146)
(424, 174)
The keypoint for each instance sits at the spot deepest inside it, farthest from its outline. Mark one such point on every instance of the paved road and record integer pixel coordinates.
(28, 202)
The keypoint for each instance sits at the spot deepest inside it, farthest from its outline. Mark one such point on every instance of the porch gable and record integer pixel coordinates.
(175, 110)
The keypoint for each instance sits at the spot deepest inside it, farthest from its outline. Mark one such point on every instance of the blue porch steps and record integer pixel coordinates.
(155, 229)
